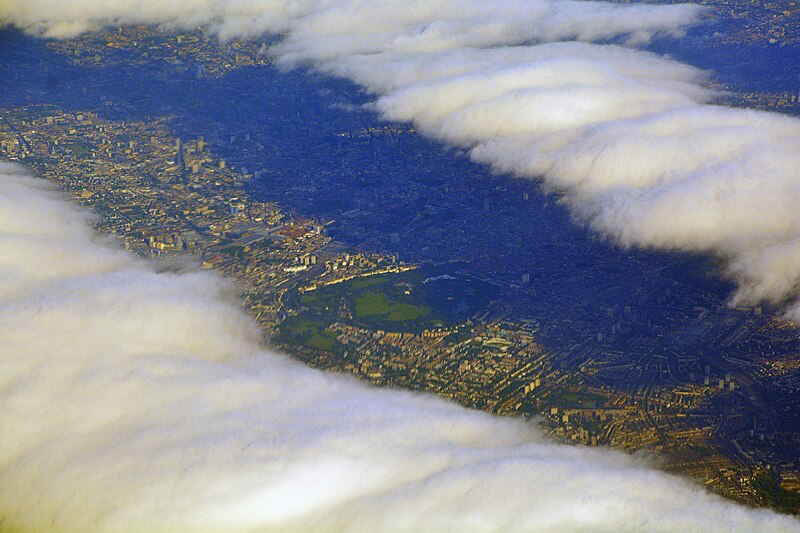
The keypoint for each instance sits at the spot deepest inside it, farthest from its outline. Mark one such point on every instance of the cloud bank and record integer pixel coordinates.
(143, 401)
(631, 141)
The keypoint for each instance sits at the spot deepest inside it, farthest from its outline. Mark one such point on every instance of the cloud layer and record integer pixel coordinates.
(357, 26)
(143, 401)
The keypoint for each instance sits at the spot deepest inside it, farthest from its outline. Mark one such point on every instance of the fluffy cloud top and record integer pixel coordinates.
(357, 26)
(142, 401)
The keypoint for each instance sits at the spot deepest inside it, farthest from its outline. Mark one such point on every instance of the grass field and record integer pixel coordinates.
(576, 400)
(378, 304)
(407, 302)
(768, 485)
(79, 150)
(304, 332)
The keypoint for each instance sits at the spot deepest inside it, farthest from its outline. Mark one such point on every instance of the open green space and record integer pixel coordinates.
(300, 331)
(232, 249)
(33, 111)
(369, 281)
(407, 302)
(458, 336)
(377, 304)
(498, 344)
(575, 400)
(768, 486)
(79, 150)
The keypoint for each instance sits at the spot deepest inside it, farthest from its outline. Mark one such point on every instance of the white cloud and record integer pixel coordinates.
(142, 401)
